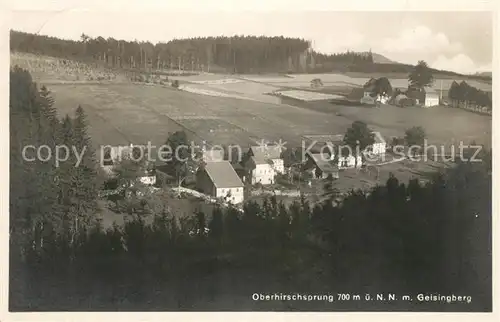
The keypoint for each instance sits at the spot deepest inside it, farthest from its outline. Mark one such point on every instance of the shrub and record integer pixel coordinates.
(175, 83)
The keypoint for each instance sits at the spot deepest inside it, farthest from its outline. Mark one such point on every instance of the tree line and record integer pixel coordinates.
(238, 53)
(468, 96)
(241, 54)
(347, 57)
(414, 237)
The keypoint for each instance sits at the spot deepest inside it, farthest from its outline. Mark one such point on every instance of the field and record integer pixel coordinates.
(304, 81)
(444, 125)
(236, 109)
(122, 113)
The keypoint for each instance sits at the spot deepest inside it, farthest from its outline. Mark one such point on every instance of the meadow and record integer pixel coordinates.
(122, 113)
(237, 109)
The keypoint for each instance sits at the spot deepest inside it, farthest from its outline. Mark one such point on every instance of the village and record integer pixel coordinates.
(204, 170)
(321, 172)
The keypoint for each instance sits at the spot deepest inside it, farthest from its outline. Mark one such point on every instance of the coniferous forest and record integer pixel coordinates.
(406, 239)
(235, 54)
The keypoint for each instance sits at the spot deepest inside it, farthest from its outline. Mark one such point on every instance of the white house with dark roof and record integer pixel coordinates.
(219, 180)
(263, 164)
(379, 145)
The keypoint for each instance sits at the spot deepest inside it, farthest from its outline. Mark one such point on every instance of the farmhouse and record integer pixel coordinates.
(379, 146)
(113, 155)
(367, 98)
(427, 97)
(336, 146)
(321, 166)
(263, 164)
(368, 90)
(219, 180)
(431, 97)
(348, 162)
(402, 100)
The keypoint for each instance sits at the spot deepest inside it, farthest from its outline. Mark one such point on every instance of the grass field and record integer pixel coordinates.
(356, 80)
(122, 113)
(138, 114)
(126, 112)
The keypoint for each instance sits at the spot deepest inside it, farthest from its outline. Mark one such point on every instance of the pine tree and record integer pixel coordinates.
(84, 181)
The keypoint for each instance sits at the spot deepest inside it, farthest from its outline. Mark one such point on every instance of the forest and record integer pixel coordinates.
(398, 238)
(236, 54)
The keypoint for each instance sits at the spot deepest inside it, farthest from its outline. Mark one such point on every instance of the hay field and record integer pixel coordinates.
(122, 113)
(308, 96)
(224, 86)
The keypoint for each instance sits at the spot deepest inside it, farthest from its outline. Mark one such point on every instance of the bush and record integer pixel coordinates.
(175, 83)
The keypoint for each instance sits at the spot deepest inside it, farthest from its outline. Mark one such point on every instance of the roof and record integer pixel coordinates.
(261, 160)
(323, 163)
(370, 84)
(213, 155)
(337, 138)
(400, 97)
(415, 94)
(430, 90)
(265, 153)
(222, 174)
(356, 93)
(378, 137)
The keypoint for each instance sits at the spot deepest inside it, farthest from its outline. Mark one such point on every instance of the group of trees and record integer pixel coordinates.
(469, 96)
(379, 86)
(399, 238)
(421, 76)
(47, 196)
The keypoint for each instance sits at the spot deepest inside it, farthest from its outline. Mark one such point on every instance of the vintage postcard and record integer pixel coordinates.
(225, 159)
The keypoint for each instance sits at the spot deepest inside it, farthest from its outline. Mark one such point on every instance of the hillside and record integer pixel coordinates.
(485, 74)
(381, 59)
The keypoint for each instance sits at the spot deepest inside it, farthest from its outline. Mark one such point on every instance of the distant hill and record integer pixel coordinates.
(381, 59)
(484, 74)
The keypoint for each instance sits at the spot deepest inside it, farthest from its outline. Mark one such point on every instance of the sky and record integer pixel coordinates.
(459, 41)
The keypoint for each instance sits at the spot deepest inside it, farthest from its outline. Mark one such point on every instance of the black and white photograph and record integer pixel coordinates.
(239, 160)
